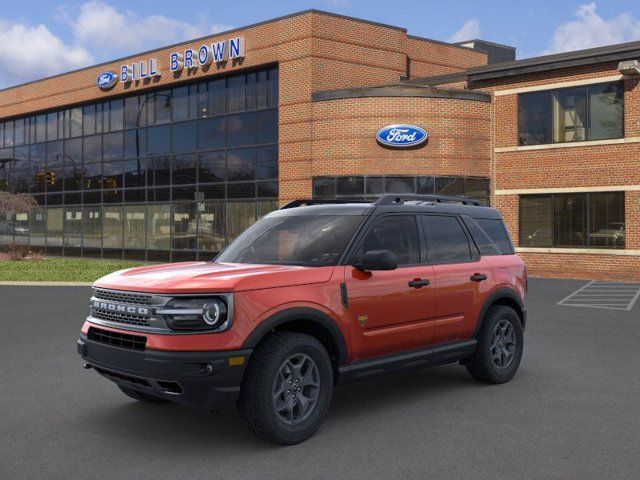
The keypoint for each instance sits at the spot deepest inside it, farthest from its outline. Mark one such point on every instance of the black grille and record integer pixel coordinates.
(120, 376)
(123, 297)
(127, 318)
(116, 339)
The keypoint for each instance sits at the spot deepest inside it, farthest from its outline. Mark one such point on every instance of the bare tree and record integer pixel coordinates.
(16, 203)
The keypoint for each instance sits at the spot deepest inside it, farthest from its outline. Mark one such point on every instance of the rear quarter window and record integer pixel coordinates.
(497, 232)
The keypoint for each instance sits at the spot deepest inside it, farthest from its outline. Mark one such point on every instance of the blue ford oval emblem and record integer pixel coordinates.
(401, 136)
(106, 80)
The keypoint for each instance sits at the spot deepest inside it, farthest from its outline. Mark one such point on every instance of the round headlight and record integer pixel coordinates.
(214, 313)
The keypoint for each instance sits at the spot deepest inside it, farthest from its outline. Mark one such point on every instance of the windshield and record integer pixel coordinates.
(314, 240)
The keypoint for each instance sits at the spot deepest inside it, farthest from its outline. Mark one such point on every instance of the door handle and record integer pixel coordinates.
(418, 282)
(478, 277)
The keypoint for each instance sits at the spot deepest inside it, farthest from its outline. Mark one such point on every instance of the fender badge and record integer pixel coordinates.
(362, 319)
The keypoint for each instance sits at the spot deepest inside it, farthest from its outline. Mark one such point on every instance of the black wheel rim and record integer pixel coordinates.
(296, 389)
(503, 344)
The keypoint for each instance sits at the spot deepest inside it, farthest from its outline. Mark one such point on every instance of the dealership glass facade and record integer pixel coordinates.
(162, 175)
(372, 186)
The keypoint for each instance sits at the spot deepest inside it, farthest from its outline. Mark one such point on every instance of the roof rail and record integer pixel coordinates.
(307, 202)
(391, 199)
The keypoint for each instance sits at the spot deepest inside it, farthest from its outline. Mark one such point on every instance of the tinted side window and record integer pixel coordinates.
(486, 246)
(497, 232)
(448, 242)
(398, 234)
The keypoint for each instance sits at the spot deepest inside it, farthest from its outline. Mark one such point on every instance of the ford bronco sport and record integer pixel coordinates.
(311, 296)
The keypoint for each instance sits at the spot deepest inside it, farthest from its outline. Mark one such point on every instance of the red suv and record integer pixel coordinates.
(311, 296)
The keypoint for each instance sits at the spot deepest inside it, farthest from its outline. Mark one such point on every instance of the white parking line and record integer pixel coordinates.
(608, 295)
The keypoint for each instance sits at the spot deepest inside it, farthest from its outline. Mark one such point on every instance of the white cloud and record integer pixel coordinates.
(591, 30)
(469, 31)
(29, 52)
(108, 31)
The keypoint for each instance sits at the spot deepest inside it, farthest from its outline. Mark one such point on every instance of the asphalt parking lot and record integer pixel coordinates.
(572, 412)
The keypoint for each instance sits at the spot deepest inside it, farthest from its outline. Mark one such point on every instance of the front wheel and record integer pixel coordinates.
(500, 344)
(287, 388)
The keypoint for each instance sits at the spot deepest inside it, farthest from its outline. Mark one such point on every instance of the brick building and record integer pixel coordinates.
(169, 154)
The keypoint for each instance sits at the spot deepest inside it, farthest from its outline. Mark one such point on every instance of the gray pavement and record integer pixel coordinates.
(572, 412)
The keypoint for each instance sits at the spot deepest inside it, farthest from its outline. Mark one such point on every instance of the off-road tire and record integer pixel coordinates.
(257, 404)
(482, 365)
(141, 396)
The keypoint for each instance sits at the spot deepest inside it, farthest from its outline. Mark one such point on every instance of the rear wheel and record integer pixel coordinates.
(287, 388)
(141, 396)
(500, 345)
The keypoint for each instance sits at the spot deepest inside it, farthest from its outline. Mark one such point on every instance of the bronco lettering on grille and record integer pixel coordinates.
(113, 307)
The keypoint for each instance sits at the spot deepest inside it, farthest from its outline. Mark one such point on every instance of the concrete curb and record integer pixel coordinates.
(47, 284)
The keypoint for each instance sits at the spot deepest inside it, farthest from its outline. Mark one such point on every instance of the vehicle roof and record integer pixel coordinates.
(409, 206)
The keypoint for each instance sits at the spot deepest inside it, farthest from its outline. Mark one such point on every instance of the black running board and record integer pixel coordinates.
(428, 357)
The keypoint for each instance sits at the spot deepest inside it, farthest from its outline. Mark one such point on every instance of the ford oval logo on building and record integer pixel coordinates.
(401, 136)
(106, 80)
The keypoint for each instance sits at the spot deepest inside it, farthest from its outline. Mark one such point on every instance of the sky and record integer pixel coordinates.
(39, 38)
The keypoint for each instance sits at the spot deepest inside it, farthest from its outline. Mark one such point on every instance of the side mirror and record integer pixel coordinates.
(378, 260)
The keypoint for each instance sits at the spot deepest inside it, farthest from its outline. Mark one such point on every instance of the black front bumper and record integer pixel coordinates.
(202, 380)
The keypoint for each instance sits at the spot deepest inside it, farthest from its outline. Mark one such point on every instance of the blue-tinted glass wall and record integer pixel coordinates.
(182, 169)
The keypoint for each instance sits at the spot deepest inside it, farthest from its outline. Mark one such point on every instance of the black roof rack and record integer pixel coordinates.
(391, 199)
(307, 202)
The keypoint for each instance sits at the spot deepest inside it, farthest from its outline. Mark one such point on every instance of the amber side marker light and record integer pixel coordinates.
(236, 361)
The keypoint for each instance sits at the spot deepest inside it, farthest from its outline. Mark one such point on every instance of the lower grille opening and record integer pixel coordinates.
(170, 387)
(120, 376)
(117, 339)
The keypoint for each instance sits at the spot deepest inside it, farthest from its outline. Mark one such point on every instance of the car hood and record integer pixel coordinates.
(201, 277)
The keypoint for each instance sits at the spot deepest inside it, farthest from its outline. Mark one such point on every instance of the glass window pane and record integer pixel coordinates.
(75, 122)
(267, 163)
(570, 115)
(268, 126)
(41, 128)
(606, 111)
(37, 226)
(112, 227)
(240, 216)
(268, 189)
(216, 94)
(112, 175)
(89, 116)
(374, 185)
(54, 227)
(235, 93)
(241, 129)
(131, 112)
(92, 227)
(201, 103)
(272, 88)
(453, 186)
(92, 148)
(398, 234)
(426, 185)
(211, 133)
(606, 220)
(324, 187)
(261, 89)
(112, 146)
(250, 91)
(448, 242)
(400, 185)
(92, 176)
(534, 118)
(496, 231)
(211, 223)
(184, 226)
(159, 171)
(184, 137)
(135, 173)
(116, 115)
(8, 134)
(180, 104)
(570, 217)
(73, 227)
(158, 227)
(241, 190)
(350, 186)
(241, 164)
(536, 221)
(158, 140)
(134, 225)
(162, 109)
(212, 167)
(184, 169)
(478, 189)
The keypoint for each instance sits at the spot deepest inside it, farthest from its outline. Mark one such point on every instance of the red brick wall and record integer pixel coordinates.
(431, 58)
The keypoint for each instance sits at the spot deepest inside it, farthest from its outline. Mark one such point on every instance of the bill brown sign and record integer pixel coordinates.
(189, 59)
